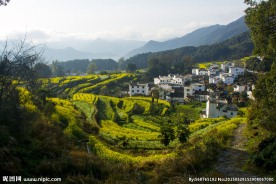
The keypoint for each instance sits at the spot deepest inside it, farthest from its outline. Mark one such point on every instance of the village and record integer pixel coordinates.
(222, 87)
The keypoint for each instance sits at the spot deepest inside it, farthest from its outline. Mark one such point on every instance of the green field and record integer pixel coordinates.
(128, 129)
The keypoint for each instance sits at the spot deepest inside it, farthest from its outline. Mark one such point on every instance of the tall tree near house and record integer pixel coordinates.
(261, 19)
(167, 133)
(264, 107)
(154, 95)
(131, 67)
(120, 62)
(57, 69)
(91, 68)
(183, 132)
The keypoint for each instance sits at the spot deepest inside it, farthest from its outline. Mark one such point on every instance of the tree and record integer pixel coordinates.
(264, 107)
(42, 70)
(4, 2)
(154, 95)
(183, 132)
(121, 62)
(167, 133)
(156, 68)
(131, 67)
(261, 19)
(57, 69)
(17, 68)
(91, 68)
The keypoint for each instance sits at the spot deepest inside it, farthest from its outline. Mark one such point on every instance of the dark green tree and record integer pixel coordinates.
(17, 68)
(156, 68)
(120, 62)
(154, 95)
(91, 68)
(261, 19)
(167, 133)
(43, 70)
(264, 107)
(131, 67)
(57, 69)
(183, 132)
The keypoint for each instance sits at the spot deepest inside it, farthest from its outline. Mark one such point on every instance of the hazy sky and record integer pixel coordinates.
(114, 19)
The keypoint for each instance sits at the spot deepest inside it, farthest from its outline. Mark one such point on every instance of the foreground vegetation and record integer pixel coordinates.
(103, 139)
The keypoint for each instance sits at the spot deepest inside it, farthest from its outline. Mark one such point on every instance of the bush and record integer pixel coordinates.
(266, 156)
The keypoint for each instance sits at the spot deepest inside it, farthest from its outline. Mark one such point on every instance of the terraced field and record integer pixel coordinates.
(84, 84)
(128, 129)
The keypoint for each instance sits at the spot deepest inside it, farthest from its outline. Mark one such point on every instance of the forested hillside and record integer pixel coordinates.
(234, 48)
(203, 36)
(80, 65)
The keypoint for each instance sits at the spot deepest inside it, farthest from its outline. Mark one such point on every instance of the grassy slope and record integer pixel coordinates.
(127, 119)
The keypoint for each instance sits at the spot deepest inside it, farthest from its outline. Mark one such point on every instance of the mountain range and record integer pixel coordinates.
(203, 36)
(233, 48)
(65, 50)
(71, 48)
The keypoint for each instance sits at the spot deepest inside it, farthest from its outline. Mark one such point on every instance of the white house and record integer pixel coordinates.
(194, 71)
(172, 79)
(225, 66)
(240, 88)
(201, 71)
(235, 71)
(139, 89)
(216, 108)
(180, 80)
(212, 66)
(213, 71)
(190, 90)
(162, 80)
(227, 78)
(214, 79)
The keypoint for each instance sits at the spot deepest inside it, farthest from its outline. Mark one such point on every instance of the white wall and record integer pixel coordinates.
(138, 89)
(235, 71)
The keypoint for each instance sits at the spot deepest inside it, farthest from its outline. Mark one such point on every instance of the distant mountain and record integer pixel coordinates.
(87, 49)
(117, 47)
(66, 54)
(234, 48)
(203, 36)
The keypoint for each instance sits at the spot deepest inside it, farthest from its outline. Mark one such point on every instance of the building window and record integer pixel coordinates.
(142, 87)
(188, 90)
(132, 91)
(231, 113)
(137, 91)
(143, 91)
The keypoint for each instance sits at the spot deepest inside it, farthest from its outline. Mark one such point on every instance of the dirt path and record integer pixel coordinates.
(232, 160)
